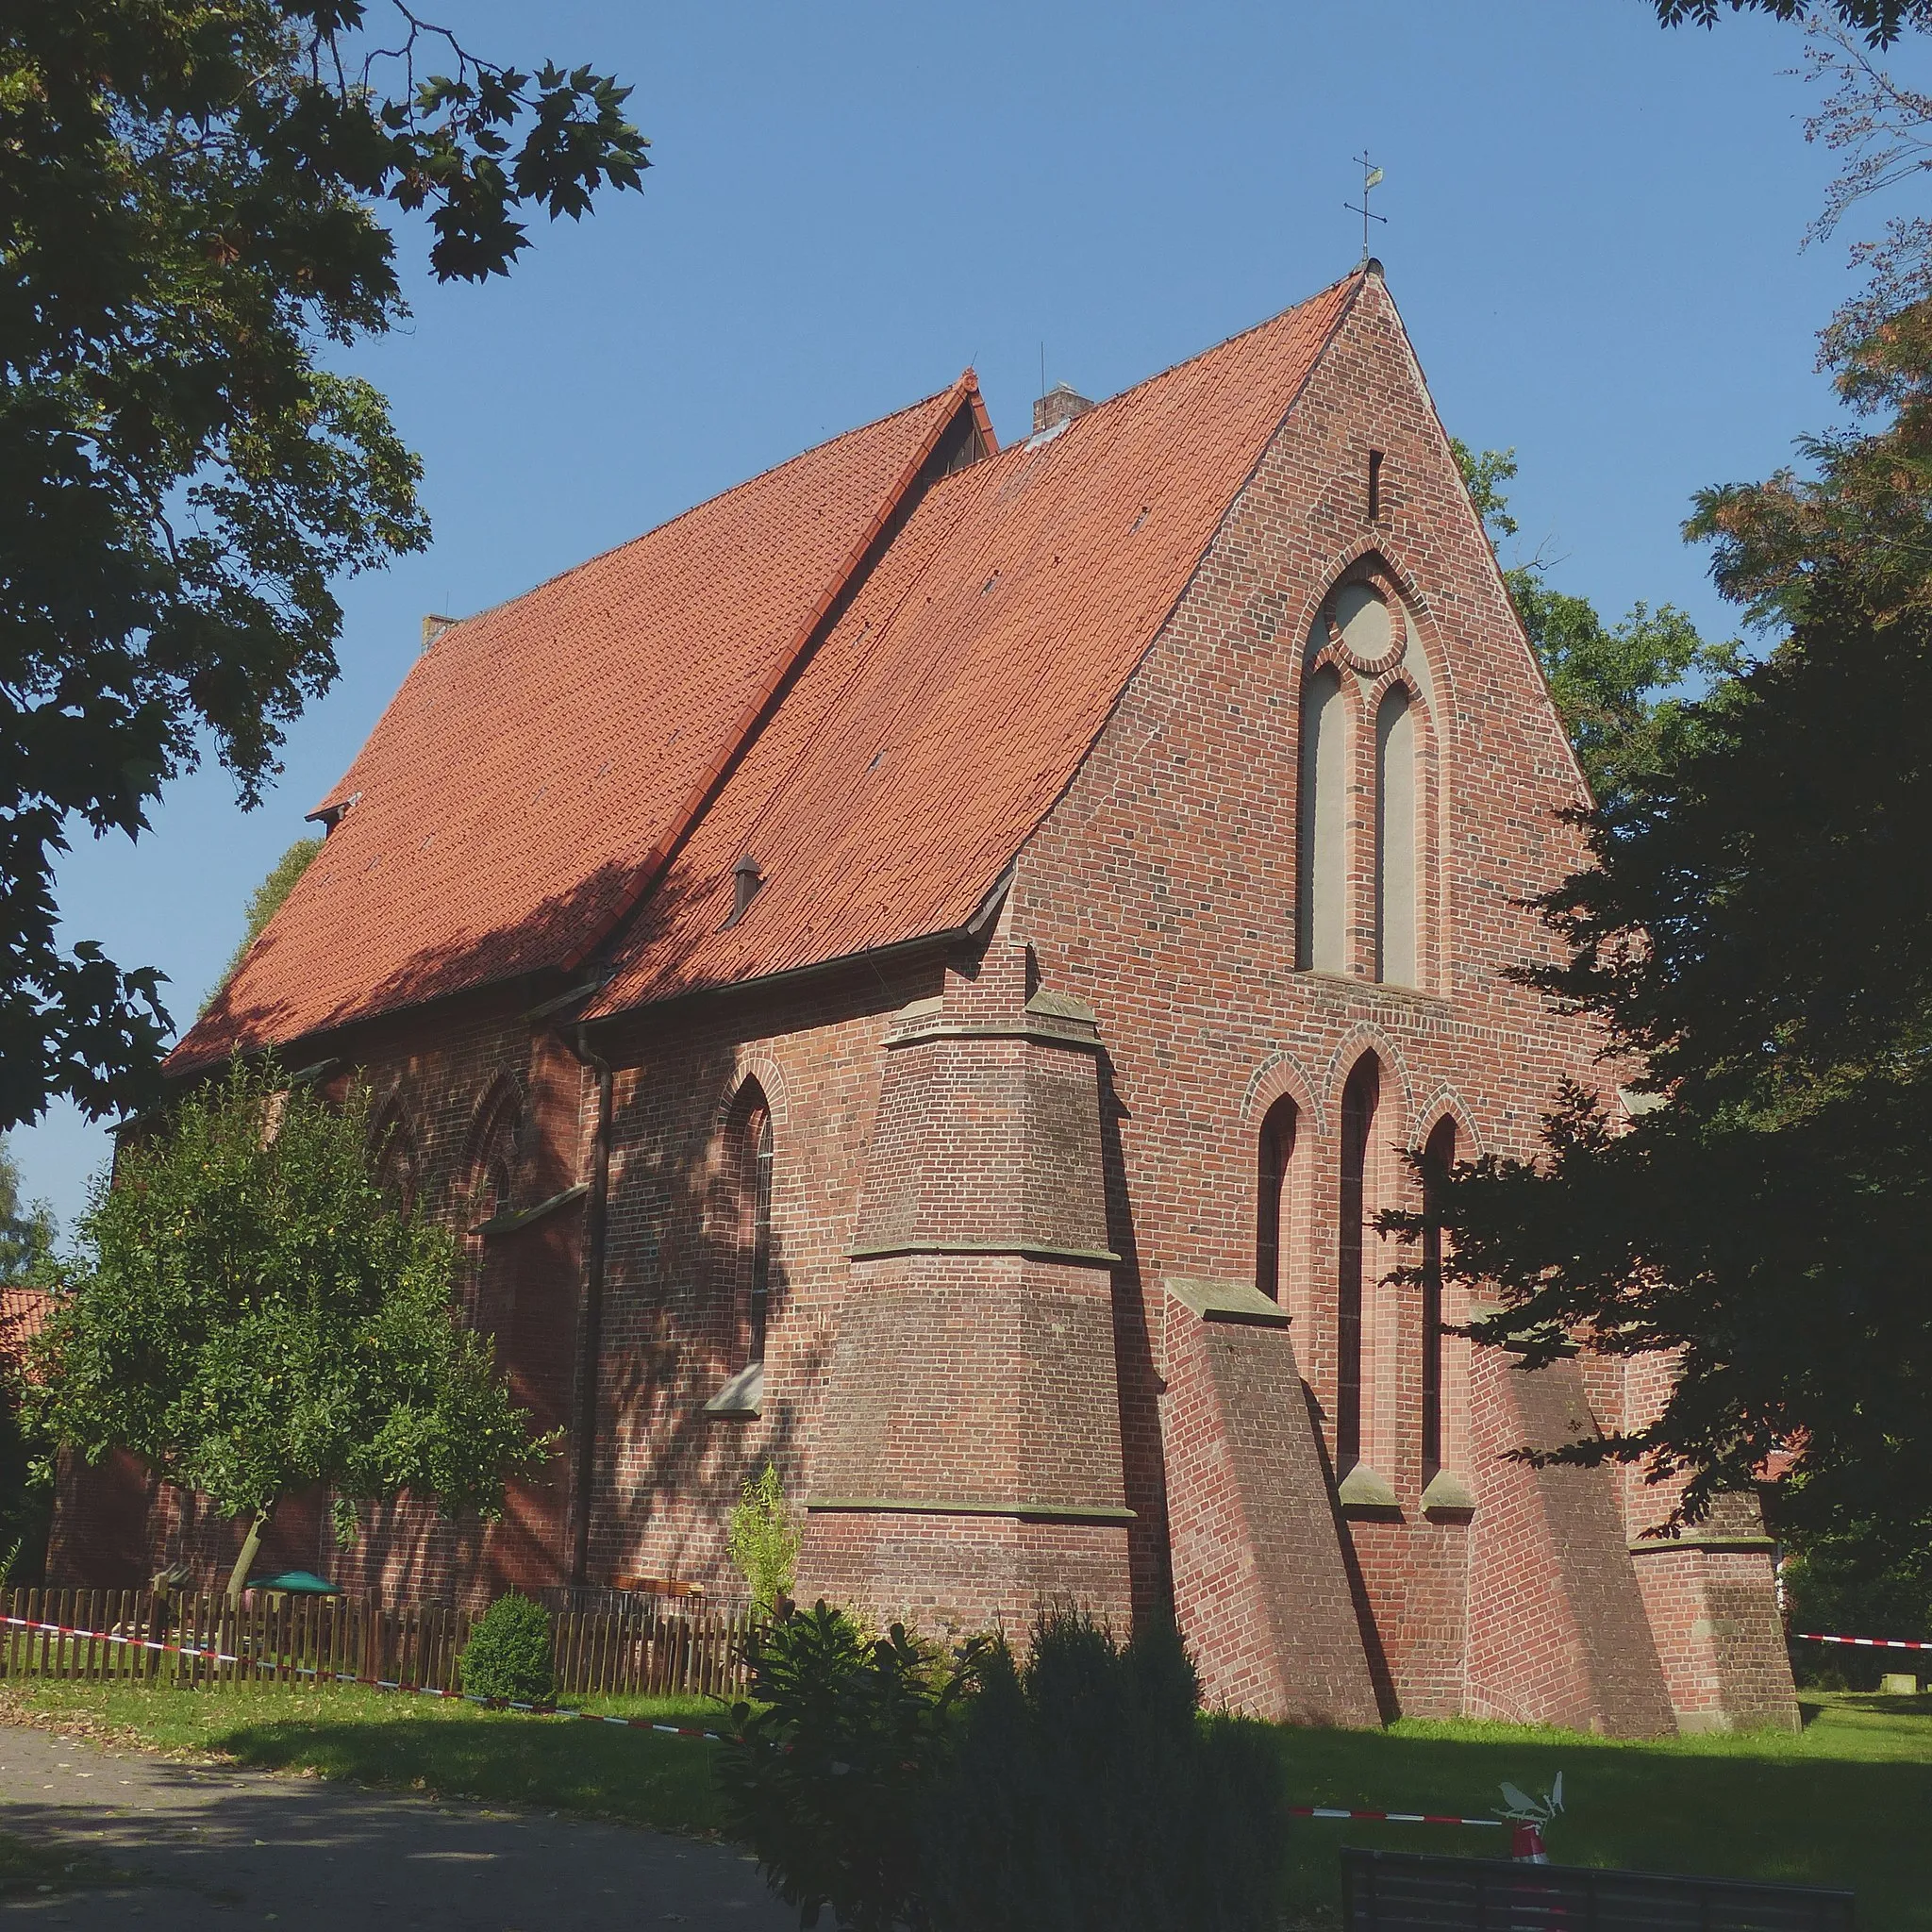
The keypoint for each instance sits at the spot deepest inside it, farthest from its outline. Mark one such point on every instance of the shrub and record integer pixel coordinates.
(509, 1653)
(763, 1542)
(1087, 1793)
(830, 1781)
(1082, 1791)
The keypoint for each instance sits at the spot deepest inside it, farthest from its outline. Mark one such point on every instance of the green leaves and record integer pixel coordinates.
(1621, 690)
(195, 203)
(257, 1319)
(1753, 939)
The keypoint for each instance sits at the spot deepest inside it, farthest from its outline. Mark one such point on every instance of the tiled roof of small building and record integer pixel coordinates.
(22, 1313)
(517, 804)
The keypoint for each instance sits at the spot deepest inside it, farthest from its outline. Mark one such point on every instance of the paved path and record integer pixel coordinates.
(214, 1847)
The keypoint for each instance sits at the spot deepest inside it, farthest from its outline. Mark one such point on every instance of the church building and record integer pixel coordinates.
(923, 971)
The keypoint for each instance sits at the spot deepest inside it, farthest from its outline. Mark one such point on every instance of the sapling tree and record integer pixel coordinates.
(763, 1542)
(252, 1317)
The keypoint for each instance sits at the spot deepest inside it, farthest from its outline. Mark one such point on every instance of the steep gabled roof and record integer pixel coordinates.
(869, 676)
(542, 761)
(967, 680)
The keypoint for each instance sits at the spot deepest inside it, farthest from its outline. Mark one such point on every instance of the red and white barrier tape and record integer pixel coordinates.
(1865, 1642)
(1386, 1817)
(222, 1656)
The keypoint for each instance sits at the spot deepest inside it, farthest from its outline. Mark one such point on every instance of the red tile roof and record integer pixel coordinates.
(23, 1314)
(963, 686)
(542, 762)
(541, 759)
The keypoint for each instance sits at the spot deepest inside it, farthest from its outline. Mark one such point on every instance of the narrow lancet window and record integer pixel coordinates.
(759, 1139)
(1271, 1215)
(1322, 899)
(1395, 867)
(1439, 1156)
(1358, 1102)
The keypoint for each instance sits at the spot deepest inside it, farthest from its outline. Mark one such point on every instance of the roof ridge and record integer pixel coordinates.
(706, 502)
(1355, 275)
(652, 866)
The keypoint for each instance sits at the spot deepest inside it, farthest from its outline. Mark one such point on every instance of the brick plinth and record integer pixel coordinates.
(1262, 1589)
(951, 1576)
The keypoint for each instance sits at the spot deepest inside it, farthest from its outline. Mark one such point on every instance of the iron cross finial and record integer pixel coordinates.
(1371, 176)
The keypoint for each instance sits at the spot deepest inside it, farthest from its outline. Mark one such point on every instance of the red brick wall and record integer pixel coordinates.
(1063, 1431)
(1162, 891)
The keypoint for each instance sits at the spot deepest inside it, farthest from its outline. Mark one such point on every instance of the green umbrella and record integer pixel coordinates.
(298, 1583)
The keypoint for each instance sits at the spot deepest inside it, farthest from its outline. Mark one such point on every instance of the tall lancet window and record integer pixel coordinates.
(756, 1155)
(1395, 867)
(1272, 1220)
(1439, 1156)
(1358, 1102)
(1322, 899)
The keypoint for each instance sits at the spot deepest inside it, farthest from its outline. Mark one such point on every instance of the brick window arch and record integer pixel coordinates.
(397, 1166)
(1398, 953)
(1322, 896)
(1439, 1156)
(751, 1155)
(1361, 1099)
(491, 1177)
(494, 1140)
(1272, 1209)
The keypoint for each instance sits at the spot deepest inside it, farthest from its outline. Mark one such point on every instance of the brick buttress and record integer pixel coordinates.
(968, 1471)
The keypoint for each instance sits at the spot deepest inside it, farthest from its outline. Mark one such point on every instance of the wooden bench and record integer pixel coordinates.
(1412, 1891)
(660, 1586)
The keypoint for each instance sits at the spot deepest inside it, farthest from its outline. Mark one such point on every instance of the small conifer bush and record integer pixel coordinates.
(509, 1651)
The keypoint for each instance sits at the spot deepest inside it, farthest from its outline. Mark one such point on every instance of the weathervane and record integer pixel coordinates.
(1372, 176)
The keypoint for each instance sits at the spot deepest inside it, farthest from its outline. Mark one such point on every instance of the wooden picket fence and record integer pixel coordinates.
(106, 1636)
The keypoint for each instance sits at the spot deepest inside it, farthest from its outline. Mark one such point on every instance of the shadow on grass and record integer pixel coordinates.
(636, 1777)
(1777, 1809)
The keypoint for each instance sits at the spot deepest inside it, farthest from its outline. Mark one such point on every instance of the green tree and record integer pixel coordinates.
(1621, 690)
(251, 1317)
(1755, 934)
(27, 1233)
(1879, 20)
(28, 1230)
(266, 900)
(198, 206)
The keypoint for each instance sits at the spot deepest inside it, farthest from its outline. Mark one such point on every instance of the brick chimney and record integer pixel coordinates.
(1061, 404)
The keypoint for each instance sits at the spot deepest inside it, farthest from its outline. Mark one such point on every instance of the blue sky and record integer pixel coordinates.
(1594, 234)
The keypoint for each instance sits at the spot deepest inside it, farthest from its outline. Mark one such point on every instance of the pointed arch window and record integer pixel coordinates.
(1321, 900)
(395, 1157)
(1360, 1100)
(1439, 1156)
(744, 1229)
(758, 1136)
(1271, 1216)
(1396, 952)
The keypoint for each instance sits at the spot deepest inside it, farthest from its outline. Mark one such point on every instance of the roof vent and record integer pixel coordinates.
(1061, 404)
(747, 881)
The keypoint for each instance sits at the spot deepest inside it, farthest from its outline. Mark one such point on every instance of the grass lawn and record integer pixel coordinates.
(1847, 1802)
(420, 1743)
